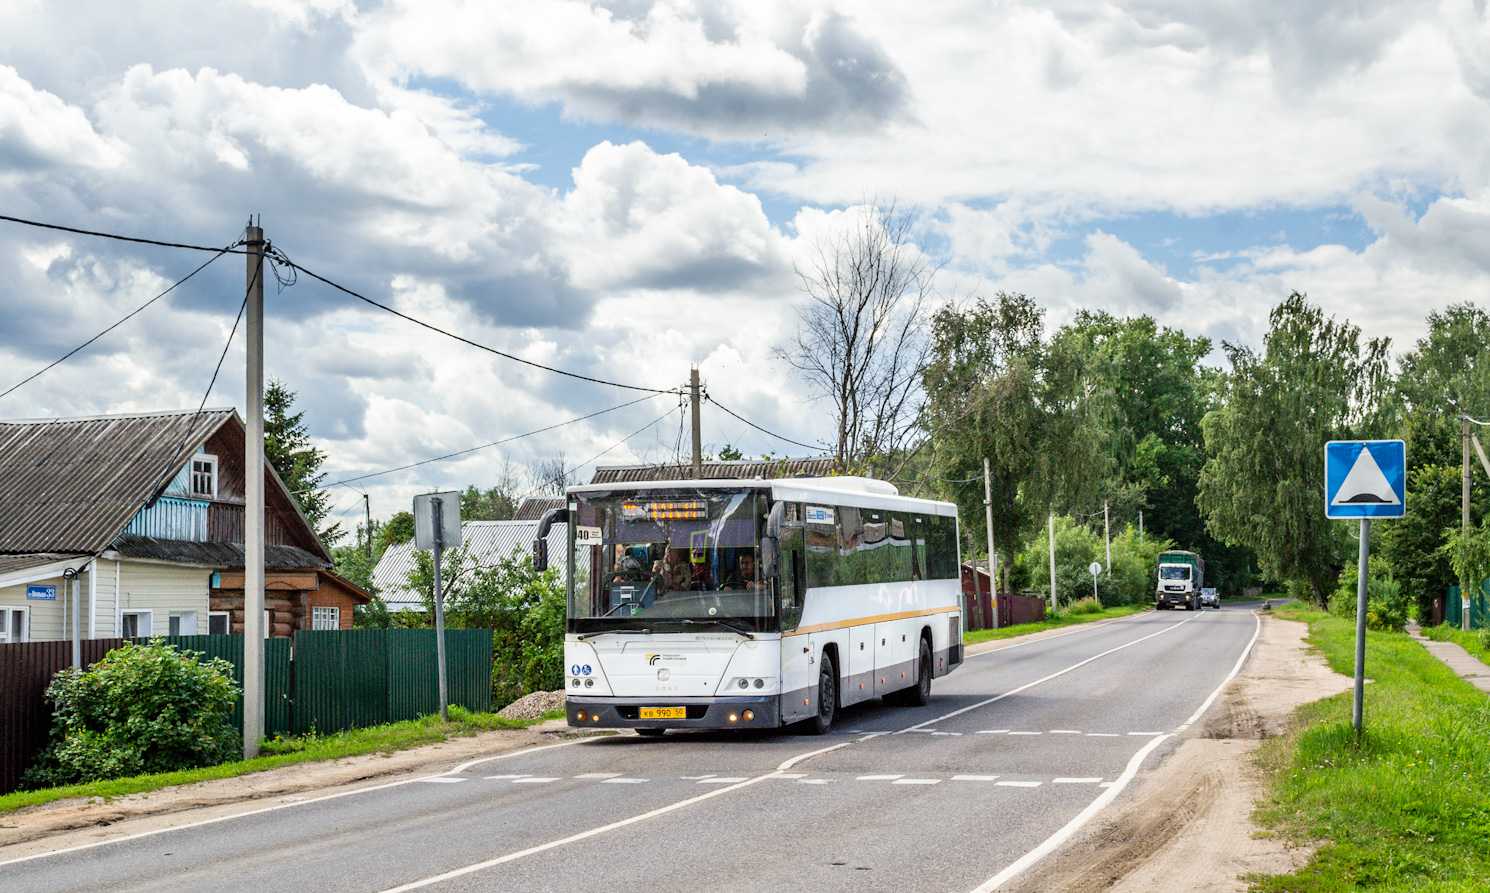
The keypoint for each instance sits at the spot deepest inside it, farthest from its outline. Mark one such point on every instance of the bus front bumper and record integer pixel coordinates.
(716, 713)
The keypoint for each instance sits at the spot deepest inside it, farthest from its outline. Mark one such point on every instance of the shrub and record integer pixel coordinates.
(1085, 606)
(1387, 606)
(142, 709)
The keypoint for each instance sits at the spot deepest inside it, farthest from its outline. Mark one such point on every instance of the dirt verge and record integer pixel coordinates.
(68, 823)
(1187, 825)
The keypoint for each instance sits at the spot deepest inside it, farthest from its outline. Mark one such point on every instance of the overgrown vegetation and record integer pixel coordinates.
(1076, 547)
(142, 709)
(1406, 806)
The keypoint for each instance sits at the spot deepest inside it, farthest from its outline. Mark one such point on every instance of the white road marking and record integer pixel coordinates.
(443, 780)
(537, 780)
(951, 734)
(1018, 784)
(1028, 685)
(503, 777)
(1024, 733)
(1103, 735)
(917, 781)
(599, 775)
(812, 781)
(1232, 675)
(694, 777)
(1076, 781)
(736, 779)
(992, 731)
(624, 781)
(1145, 734)
(282, 805)
(1064, 732)
(879, 777)
(790, 775)
(974, 777)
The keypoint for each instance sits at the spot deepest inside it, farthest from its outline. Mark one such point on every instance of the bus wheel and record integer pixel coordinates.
(920, 696)
(651, 733)
(827, 697)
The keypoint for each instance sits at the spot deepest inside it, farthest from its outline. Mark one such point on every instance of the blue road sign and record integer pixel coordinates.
(1365, 479)
(41, 593)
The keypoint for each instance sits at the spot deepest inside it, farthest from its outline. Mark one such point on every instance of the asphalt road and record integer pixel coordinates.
(952, 796)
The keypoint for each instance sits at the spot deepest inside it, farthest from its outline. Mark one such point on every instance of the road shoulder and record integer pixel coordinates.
(1188, 825)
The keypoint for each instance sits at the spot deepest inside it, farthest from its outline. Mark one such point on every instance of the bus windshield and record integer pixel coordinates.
(1174, 572)
(668, 560)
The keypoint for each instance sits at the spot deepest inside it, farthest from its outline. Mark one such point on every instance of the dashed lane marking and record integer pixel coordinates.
(723, 780)
(539, 780)
(442, 780)
(974, 777)
(1018, 784)
(917, 781)
(1064, 732)
(504, 777)
(624, 780)
(1076, 781)
(993, 732)
(1024, 733)
(599, 775)
(1103, 735)
(812, 781)
(1145, 734)
(878, 777)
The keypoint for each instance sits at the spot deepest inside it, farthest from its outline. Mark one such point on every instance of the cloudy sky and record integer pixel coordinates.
(619, 189)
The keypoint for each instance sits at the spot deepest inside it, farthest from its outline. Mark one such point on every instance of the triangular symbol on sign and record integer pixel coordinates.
(1365, 484)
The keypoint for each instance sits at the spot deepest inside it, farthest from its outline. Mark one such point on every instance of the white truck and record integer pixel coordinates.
(1181, 577)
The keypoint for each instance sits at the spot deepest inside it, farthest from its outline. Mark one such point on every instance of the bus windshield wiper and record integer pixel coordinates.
(729, 626)
(619, 632)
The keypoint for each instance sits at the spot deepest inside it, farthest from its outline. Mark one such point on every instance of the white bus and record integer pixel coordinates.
(721, 604)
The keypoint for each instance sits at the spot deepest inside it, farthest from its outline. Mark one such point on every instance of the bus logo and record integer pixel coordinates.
(652, 659)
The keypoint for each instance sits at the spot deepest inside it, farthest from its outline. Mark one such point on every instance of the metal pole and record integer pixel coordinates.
(253, 507)
(367, 504)
(1357, 717)
(1467, 474)
(1140, 527)
(698, 449)
(993, 555)
(1107, 536)
(1052, 562)
(436, 510)
(71, 576)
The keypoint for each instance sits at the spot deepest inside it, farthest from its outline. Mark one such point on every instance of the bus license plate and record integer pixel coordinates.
(664, 713)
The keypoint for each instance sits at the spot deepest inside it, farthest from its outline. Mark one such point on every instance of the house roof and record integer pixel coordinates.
(747, 469)
(486, 540)
(128, 545)
(534, 507)
(12, 563)
(70, 485)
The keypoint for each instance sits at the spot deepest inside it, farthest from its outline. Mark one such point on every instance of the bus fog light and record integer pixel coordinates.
(589, 683)
(734, 718)
(575, 683)
(744, 683)
(760, 683)
(581, 716)
(749, 715)
(595, 717)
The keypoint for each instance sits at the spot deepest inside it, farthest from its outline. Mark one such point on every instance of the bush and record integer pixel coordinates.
(1387, 606)
(142, 709)
(1085, 606)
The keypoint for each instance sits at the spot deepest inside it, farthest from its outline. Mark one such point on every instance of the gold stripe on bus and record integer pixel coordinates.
(882, 618)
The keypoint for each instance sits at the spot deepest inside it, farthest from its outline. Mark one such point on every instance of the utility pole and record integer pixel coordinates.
(1052, 562)
(1465, 602)
(993, 555)
(367, 505)
(1140, 527)
(253, 508)
(1107, 535)
(698, 448)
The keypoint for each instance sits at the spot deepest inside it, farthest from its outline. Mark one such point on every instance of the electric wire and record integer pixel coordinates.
(598, 455)
(476, 344)
(122, 321)
(759, 428)
(363, 477)
(102, 235)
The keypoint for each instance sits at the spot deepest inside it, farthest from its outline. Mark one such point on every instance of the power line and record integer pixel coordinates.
(473, 449)
(580, 465)
(809, 446)
(433, 328)
(101, 235)
(126, 318)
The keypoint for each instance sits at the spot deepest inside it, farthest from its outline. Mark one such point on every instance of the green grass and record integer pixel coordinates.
(1405, 807)
(276, 752)
(1056, 622)
(1473, 641)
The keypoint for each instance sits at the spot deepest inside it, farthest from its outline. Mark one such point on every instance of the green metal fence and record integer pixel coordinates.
(1479, 615)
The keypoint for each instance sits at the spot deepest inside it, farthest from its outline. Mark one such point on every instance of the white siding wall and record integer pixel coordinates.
(47, 616)
(161, 588)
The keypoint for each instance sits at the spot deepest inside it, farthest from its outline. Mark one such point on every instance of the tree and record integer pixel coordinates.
(860, 337)
(399, 529)
(1263, 481)
(288, 449)
(551, 475)
(1442, 378)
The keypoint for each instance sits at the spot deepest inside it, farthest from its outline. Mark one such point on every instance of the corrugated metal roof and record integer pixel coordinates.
(743, 470)
(12, 563)
(486, 540)
(70, 485)
(533, 508)
(129, 545)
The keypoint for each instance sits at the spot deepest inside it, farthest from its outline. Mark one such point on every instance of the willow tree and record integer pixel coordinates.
(1263, 483)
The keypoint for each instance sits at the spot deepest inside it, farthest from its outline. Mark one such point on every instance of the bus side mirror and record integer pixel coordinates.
(540, 542)
(771, 541)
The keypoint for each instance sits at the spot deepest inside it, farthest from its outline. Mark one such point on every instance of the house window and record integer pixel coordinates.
(15, 625)
(135, 624)
(325, 618)
(204, 476)
(182, 623)
(217, 623)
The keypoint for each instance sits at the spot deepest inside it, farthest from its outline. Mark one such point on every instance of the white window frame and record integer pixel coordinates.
(321, 614)
(6, 613)
(227, 622)
(144, 619)
(179, 619)
(191, 477)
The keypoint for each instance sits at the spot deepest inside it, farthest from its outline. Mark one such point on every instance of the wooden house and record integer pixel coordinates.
(132, 525)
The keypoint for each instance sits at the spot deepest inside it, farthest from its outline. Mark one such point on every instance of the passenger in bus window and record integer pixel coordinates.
(745, 575)
(677, 570)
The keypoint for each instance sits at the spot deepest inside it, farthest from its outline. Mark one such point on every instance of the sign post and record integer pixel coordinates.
(1364, 479)
(1096, 569)
(436, 526)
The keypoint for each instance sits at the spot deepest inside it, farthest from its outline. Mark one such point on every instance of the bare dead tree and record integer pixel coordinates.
(551, 475)
(861, 339)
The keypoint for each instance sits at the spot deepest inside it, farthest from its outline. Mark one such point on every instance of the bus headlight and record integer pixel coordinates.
(760, 683)
(744, 683)
(589, 683)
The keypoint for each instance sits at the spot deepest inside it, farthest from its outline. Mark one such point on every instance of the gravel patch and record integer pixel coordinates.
(534, 705)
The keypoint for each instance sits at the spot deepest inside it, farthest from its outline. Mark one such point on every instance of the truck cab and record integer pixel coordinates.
(1181, 578)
